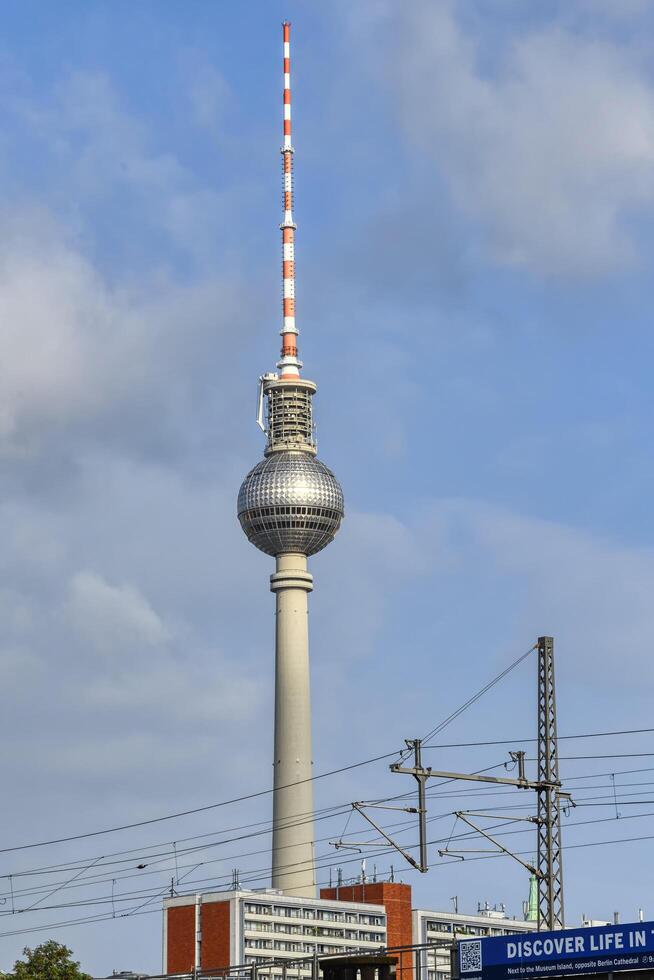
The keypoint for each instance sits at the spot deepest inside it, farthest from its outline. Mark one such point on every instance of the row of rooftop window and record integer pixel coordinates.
(433, 925)
(326, 915)
(321, 949)
(307, 930)
(290, 947)
(296, 970)
(287, 947)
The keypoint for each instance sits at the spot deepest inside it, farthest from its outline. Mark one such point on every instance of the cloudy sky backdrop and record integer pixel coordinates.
(475, 193)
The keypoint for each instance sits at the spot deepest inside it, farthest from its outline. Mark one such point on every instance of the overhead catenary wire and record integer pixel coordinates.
(560, 738)
(466, 835)
(616, 755)
(260, 793)
(117, 876)
(364, 762)
(250, 877)
(109, 917)
(142, 850)
(407, 825)
(617, 772)
(332, 811)
(199, 809)
(342, 809)
(336, 812)
(479, 694)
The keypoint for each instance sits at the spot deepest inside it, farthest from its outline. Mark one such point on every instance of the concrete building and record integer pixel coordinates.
(441, 928)
(219, 929)
(125, 975)
(395, 899)
(290, 506)
(240, 928)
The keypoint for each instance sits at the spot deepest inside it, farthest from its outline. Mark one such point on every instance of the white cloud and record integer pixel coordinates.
(57, 318)
(102, 335)
(129, 587)
(548, 145)
(372, 554)
(113, 156)
(80, 353)
(187, 691)
(592, 593)
(113, 619)
(19, 669)
(207, 91)
(612, 10)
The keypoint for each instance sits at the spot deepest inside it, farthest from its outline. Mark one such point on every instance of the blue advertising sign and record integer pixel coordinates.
(529, 955)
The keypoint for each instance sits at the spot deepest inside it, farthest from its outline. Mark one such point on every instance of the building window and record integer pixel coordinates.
(439, 926)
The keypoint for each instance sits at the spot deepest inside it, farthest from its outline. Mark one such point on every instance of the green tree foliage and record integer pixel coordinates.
(49, 961)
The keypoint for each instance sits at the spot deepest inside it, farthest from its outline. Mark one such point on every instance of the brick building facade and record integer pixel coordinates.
(215, 930)
(395, 898)
(220, 929)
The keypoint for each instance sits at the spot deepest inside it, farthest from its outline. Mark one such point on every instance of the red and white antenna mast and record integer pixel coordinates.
(289, 365)
(289, 412)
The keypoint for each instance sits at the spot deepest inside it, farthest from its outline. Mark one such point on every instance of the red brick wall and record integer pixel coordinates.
(215, 936)
(396, 899)
(180, 938)
(214, 926)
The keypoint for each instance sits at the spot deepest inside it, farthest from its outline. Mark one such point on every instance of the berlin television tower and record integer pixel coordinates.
(290, 506)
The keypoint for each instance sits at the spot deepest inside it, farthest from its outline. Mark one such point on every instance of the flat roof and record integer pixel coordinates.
(274, 898)
(478, 918)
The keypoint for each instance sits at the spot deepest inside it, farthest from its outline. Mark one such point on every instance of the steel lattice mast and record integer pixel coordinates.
(290, 506)
(289, 365)
(548, 872)
(550, 861)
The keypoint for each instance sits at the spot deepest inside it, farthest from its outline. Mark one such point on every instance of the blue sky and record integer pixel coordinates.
(474, 198)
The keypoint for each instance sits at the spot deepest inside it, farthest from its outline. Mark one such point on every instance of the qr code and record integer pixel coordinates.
(470, 956)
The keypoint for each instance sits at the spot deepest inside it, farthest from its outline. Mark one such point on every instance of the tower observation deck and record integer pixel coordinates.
(290, 506)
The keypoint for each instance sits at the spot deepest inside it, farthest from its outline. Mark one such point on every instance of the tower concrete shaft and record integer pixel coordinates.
(293, 867)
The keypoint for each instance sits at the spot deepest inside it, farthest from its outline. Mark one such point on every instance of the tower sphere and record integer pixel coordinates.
(290, 502)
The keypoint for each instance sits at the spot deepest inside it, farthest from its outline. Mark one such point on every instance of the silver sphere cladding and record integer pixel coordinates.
(290, 501)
